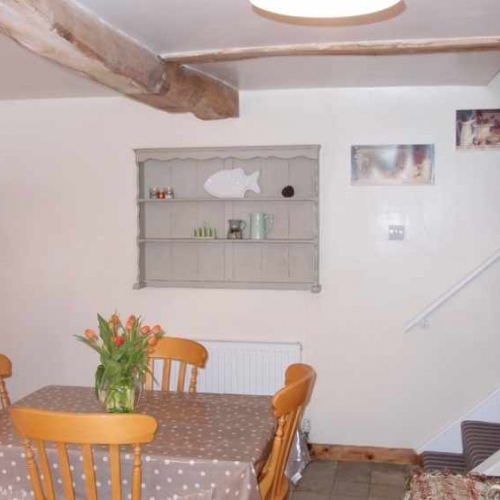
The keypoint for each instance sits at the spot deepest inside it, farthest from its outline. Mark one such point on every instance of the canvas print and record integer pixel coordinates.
(478, 128)
(392, 165)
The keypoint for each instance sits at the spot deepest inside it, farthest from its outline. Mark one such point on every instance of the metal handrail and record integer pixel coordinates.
(422, 318)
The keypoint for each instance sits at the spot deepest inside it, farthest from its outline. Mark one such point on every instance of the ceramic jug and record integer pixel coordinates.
(260, 225)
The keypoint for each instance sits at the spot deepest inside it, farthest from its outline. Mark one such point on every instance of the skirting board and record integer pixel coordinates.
(400, 456)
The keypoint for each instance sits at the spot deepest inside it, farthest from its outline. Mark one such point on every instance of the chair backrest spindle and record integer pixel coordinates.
(137, 472)
(88, 469)
(44, 464)
(181, 380)
(33, 472)
(65, 467)
(167, 370)
(193, 379)
(116, 484)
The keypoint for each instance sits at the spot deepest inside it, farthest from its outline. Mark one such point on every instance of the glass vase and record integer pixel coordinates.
(118, 398)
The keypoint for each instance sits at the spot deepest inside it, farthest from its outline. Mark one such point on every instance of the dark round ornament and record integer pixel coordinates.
(288, 192)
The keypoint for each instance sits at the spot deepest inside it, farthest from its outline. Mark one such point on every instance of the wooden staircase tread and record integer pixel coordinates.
(436, 460)
(480, 441)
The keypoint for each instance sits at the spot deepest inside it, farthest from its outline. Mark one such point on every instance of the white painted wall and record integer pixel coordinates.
(450, 438)
(67, 227)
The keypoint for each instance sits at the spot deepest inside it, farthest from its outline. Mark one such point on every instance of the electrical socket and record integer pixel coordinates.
(305, 427)
(397, 232)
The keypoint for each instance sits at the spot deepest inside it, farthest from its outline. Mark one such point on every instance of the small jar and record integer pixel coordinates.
(161, 194)
(153, 193)
(169, 193)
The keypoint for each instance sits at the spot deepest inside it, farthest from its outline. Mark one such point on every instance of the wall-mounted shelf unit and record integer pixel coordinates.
(168, 255)
(216, 240)
(177, 200)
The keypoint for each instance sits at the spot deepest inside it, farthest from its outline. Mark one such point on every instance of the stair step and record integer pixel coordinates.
(480, 440)
(436, 460)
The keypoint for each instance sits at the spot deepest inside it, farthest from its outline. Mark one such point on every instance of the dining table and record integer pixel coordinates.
(206, 447)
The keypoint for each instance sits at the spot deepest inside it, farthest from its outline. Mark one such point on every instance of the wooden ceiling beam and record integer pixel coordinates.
(374, 48)
(73, 37)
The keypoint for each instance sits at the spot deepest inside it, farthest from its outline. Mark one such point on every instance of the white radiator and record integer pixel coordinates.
(235, 367)
(247, 367)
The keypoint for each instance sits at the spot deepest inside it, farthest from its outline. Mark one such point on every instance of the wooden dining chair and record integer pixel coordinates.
(5, 372)
(186, 352)
(288, 405)
(36, 427)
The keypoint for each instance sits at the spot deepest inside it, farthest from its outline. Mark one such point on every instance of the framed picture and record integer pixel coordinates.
(392, 165)
(478, 128)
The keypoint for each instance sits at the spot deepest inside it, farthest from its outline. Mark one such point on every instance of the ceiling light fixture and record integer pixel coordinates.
(324, 8)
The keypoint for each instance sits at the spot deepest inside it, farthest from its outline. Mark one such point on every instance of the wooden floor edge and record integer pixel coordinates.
(397, 456)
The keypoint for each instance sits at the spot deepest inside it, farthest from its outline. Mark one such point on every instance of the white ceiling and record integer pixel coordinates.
(168, 26)
(177, 26)
(344, 71)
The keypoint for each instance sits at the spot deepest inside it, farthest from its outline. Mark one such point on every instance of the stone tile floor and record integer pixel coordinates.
(351, 481)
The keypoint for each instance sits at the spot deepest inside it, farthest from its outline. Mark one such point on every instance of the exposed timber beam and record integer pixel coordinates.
(77, 39)
(375, 48)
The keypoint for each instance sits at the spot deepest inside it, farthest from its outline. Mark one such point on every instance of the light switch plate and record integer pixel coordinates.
(397, 233)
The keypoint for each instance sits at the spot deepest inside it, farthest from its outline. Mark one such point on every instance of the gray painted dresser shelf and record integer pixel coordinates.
(168, 255)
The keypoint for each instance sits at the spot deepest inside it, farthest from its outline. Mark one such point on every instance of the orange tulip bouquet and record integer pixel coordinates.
(123, 352)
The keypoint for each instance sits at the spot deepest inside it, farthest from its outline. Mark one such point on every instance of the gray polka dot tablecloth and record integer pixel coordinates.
(205, 448)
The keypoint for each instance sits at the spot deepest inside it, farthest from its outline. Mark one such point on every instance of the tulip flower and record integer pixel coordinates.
(145, 330)
(118, 341)
(90, 335)
(156, 329)
(152, 341)
(131, 319)
(114, 321)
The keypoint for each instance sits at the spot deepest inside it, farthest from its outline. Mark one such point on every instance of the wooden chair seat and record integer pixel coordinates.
(5, 372)
(186, 352)
(37, 427)
(288, 406)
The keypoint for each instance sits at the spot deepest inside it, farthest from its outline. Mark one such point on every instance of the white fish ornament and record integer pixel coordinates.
(232, 183)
